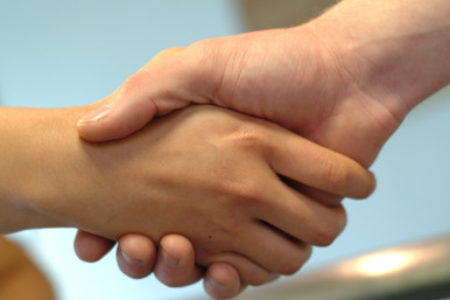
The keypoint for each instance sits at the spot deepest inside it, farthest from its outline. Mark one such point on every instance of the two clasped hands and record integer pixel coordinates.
(228, 159)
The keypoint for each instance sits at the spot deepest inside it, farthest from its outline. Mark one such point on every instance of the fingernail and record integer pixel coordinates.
(96, 114)
(131, 261)
(216, 285)
(170, 261)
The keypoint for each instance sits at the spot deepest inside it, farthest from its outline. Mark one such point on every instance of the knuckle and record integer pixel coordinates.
(170, 281)
(236, 185)
(199, 46)
(220, 230)
(327, 232)
(335, 174)
(324, 238)
(234, 177)
(247, 192)
(247, 137)
(131, 84)
(235, 198)
(259, 279)
(297, 262)
(205, 47)
(369, 187)
(204, 53)
(292, 268)
(166, 53)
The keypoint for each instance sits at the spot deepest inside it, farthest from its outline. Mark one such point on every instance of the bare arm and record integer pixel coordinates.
(230, 187)
(398, 50)
(28, 152)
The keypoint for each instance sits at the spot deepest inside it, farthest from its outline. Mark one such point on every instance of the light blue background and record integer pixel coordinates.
(63, 53)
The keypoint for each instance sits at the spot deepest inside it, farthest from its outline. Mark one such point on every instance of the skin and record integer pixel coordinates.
(345, 80)
(18, 271)
(232, 203)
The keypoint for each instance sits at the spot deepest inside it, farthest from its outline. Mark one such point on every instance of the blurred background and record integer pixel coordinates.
(64, 53)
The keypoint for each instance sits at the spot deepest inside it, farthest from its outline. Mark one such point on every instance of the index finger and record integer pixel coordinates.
(301, 160)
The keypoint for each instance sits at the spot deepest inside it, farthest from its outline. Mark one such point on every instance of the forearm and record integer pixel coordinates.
(400, 49)
(32, 162)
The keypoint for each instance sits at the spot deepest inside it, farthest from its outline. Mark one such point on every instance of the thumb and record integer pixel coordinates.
(133, 105)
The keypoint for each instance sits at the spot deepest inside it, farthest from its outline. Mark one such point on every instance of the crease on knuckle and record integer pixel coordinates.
(336, 175)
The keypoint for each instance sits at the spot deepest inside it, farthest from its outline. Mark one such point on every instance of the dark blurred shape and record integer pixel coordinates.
(20, 278)
(265, 14)
(419, 271)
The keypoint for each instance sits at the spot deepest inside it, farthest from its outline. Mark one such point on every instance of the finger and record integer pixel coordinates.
(90, 247)
(313, 165)
(272, 249)
(274, 277)
(136, 255)
(301, 217)
(222, 281)
(141, 97)
(117, 119)
(163, 55)
(249, 271)
(317, 195)
(175, 265)
(320, 196)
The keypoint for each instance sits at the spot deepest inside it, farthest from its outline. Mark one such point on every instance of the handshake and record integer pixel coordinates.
(227, 159)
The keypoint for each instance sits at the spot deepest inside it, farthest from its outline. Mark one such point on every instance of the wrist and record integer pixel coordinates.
(40, 147)
(394, 52)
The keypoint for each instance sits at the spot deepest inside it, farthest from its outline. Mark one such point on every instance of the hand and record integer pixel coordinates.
(221, 280)
(236, 203)
(314, 96)
(177, 73)
(239, 80)
(217, 123)
(345, 88)
(323, 79)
